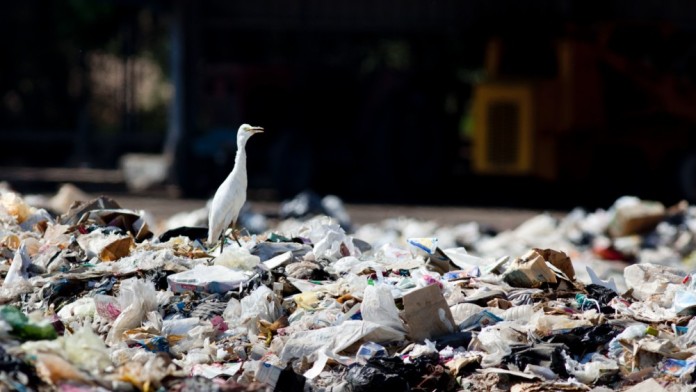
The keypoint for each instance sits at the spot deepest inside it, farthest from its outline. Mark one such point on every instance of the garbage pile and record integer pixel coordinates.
(93, 299)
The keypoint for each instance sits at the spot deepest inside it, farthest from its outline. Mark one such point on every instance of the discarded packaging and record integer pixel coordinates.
(634, 216)
(100, 299)
(427, 314)
(529, 271)
(209, 279)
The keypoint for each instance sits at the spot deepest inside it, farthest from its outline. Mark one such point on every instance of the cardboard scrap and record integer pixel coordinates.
(117, 249)
(559, 260)
(499, 303)
(529, 271)
(427, 314)
(109, 247)
(636, 218)
(456, 365)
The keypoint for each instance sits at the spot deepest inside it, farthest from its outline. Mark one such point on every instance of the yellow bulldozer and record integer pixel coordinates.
(587, 108)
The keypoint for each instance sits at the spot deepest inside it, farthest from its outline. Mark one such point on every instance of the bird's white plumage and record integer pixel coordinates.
(231, 195)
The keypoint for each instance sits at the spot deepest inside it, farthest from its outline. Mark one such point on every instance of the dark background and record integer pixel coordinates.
(368, 100)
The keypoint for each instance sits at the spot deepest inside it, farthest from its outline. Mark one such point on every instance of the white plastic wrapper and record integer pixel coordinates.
(588, 373)
(495, 341)
(461, 312)
(233, 311)
(333, 340)
(136, 297)
(237, 258)
(261, 304)
(78, 310)
(209, 279)
(378, 307)
(656, 282)
(329, 239)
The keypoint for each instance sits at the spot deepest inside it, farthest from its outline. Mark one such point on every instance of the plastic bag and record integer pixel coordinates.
(521, 314)
(349, 264)
(87, 350)
(233, 310)
(478, 321)
(334, 246)
(547, 324)
(210, 279)
(609, 283)
(684, 302)
(683, 369)
(690, 336)
(369, 350)
(78, 310)
(588, 373)
(237, 258)
(137, 297)
(462, 259)
(427, 348)
(629, 334)
(371, 378)
(463, 311)
(329, 239)
(333, 340)
(423, 247)
(179, 326)
(106, 246)
(647, 280)
(496, 342)
(378, 306)
(261, 304)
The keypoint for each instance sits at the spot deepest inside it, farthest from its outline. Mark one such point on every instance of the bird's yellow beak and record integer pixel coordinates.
(256, 129)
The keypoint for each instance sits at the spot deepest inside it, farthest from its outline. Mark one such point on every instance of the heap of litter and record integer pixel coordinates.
(94, 298)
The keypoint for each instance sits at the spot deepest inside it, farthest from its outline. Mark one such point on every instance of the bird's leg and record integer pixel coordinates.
(234, 235)
(222, 242)
(236, 239)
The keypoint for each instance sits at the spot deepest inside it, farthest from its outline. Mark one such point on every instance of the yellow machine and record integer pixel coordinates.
(591, 108)
(518, 120)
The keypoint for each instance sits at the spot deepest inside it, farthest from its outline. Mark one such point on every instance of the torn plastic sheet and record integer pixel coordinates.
(462, 259)
(496, 342)
(136, 298)
(588, 373)
(215, 370)
(684, 302)
(649, 280)
(309, 285)
(333, 340)
(18, 271)
(210, 279)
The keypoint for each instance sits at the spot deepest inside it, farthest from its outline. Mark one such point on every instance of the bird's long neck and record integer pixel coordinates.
(240, 158)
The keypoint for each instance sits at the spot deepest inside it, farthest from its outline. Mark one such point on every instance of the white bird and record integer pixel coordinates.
(231, 195)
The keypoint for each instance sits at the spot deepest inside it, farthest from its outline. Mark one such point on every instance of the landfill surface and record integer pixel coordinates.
(98, 297)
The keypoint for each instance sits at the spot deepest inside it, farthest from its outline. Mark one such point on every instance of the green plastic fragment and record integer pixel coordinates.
(274, 237)
(22, 328)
